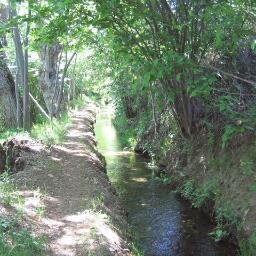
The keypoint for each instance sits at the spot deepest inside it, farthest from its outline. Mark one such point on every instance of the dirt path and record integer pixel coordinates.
(68, 196)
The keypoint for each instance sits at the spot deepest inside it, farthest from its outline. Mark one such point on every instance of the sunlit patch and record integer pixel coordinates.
(51, 223)
(34, 202)
(55, 159)
(33, 145)
(140, 179)
(117, 153)
(109, 132)
(152, 166)
(202, 159)
(88, 229)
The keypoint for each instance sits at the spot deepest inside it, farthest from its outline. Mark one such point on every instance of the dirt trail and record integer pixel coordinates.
(69, 198)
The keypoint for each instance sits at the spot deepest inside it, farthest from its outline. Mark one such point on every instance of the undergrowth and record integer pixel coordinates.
(126, 131)
(7, 133)
(49, 131)
(198, 195)
(14, 239)
(247, 246)
(52, 131)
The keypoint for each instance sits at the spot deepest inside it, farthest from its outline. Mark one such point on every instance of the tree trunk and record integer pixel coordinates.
(60, 95)
(7, 96)
(26, 102)
(7, 85)
(19, 81)
(48, 76)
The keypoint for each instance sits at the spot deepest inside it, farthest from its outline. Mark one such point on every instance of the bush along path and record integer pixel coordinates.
(68, 199)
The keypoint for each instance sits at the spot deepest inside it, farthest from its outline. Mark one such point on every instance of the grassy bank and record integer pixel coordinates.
(15, 238)
(223, 185)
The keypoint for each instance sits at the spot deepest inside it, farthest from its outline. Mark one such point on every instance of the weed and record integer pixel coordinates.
(218, 234)
(14, 240)
(198, 194)
(253, 187)
(79, 102)
(52, 131)
(248, 246)
(163, 177)
(40, 211)
(187, 189)
(225, 219)
(94, 233)
(135, 250)
(7, 133)
(247, 167)
(98, 203)
(134, 245)
(8, 193)
(225, 216)
(202, 193)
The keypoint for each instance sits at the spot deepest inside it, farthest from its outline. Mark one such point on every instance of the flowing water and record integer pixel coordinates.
(164, 225)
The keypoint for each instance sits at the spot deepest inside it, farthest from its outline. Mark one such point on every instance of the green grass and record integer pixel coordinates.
(52, 131)
(15, 240)
(126, 131)
(134, 243)
(8, 193)
(135, 250)
(164, 178)
(79, 102)
(248, 246)
(18, 242)
(7, 133)
(49, 131)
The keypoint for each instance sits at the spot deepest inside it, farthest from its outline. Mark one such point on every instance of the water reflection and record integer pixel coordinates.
(165, 226)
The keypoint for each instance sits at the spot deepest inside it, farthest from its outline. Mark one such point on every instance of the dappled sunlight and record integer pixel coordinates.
(74, 133)
(35, 202)
(56, 159)
(64, 207)
(87, 229)
(140, 179)
(117, 153)
(80, 151)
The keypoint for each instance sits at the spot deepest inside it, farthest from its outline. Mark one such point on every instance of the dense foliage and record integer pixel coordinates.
(177, 70)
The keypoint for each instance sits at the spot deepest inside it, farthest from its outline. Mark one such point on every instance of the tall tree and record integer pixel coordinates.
(7, 95)
(26, 98)
(19, 81)
(49, 75)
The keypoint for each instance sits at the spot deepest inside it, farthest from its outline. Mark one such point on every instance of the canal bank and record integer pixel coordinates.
(68, 198)
(164, 225)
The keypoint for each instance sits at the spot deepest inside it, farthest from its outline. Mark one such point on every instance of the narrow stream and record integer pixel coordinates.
(164, 225)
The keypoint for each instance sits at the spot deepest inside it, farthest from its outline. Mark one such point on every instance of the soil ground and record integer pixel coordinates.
(69, 198)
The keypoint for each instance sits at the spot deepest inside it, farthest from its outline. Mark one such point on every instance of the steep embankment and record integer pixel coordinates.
(220, 182)
(69, 198)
